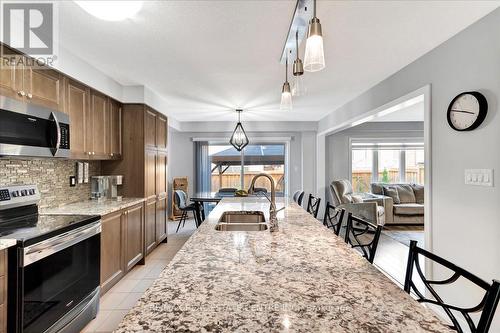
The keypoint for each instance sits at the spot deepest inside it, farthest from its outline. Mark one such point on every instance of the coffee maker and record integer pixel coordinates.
(106, 187)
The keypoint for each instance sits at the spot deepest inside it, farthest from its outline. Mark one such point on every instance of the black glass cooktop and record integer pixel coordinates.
(30, 229)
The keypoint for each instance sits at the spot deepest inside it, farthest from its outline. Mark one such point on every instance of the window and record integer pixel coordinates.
(414, 166)
(389, 165)
(386, 162)
(230, 168)
(362, 161)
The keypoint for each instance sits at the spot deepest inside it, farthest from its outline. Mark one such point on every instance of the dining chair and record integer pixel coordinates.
(180, 200)
(486, 306)
(313, 204)
(363, 235)
(333, 218)
(298, 196)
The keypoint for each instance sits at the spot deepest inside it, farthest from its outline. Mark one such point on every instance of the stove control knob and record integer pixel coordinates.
(32, 191)
(24, 193)
(15, 194)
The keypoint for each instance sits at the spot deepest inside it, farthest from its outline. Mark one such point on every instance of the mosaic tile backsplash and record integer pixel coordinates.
(51, 176)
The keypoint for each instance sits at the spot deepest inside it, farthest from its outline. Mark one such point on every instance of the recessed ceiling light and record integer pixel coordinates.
(111, 10)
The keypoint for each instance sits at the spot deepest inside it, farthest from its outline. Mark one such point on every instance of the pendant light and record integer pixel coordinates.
(286, 94)
(314, 59)
(239, 139)
(298, 87)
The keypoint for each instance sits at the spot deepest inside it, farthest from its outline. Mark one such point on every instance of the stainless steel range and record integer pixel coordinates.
(53, 276)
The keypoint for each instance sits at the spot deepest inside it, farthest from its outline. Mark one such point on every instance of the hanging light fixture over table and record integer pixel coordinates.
(314, 59)
(298, 87)
(286, 94)
(239, 139)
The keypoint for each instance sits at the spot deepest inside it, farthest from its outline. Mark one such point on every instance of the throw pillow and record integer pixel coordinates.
(392, 192)
(406, 194)
(419, 193)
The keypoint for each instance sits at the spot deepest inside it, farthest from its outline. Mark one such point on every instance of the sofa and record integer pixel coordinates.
(404, 203)
(368, 208)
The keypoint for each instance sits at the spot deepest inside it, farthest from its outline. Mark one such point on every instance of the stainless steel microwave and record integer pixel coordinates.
(32, 131)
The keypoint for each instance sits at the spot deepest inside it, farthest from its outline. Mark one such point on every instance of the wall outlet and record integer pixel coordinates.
(479, 177)
(72, 181)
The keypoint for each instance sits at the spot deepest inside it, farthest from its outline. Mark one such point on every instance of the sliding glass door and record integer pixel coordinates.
(225, 165)
(232, 169)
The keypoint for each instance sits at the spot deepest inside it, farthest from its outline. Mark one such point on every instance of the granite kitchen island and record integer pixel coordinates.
(302, 278)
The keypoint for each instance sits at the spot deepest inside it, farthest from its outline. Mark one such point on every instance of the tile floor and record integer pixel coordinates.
(116, 303)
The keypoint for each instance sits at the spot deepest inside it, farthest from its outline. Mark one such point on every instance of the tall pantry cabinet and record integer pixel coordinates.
(144, 167)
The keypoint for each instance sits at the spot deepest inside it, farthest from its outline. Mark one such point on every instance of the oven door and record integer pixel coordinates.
(58, 274)
(30, 130)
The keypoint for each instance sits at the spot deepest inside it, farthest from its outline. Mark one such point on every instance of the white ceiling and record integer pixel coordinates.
(208, 57)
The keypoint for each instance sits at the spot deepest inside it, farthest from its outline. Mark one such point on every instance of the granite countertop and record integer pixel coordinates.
(302, 278)
(92, 207)
(5, 243)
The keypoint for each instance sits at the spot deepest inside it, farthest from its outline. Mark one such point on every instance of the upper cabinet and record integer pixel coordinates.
(32, 84)
(114, 129)
(161, 132)
(77, 105)
(150, 117)
(11, 78)
(98, 126)
(44, 87)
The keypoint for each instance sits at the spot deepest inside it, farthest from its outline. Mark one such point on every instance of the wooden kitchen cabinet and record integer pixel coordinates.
(134, 230)
(150, 124)
(77, 105)
(44, 86)
(97, 126)
(161, 133)
(11, 73)
(161, 195)
(150, 226)
(114, 129)
(112, 249)
(144, 167)
(30, 83)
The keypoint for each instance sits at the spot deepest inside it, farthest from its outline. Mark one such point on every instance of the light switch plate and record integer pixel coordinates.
(479, 177)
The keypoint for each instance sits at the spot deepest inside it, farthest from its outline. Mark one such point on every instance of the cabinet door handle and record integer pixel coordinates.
(21, 93)
(90, 153)
(93, 153)
(30, 96)
(111, 154)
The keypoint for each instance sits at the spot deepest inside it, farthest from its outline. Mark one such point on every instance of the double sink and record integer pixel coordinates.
(242, 221)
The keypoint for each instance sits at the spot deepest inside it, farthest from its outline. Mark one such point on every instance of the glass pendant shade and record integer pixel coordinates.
(314, 58)
(239, 139)
(286, 97)
(298, 86)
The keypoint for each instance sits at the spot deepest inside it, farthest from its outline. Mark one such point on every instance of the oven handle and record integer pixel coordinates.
(38, 251)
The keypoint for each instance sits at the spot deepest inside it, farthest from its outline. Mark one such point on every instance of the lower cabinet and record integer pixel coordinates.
(134, 243)
(150, 226)
(122, 244)
(112, 246)
(3, 291)
(161, 219)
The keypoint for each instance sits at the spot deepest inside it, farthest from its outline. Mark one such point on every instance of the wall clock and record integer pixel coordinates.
(467, 111)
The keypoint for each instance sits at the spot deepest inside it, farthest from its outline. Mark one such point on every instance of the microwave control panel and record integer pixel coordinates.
(64, 136)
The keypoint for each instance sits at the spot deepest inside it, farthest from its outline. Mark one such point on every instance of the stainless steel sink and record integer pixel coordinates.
(242, 221)
(241, 226)
(242, 217)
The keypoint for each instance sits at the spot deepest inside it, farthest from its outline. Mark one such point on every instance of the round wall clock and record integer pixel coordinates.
(467, 111)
